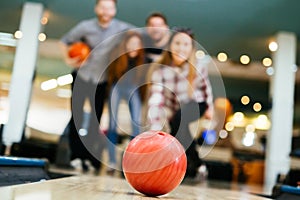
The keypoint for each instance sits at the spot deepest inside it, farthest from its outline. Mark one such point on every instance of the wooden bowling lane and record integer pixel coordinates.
(88, 187)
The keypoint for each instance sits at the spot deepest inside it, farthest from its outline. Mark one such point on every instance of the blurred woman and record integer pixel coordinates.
(180, 92)
(125, 77)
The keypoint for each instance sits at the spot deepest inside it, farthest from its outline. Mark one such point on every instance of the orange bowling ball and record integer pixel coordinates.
(154, 163)
(79, 50)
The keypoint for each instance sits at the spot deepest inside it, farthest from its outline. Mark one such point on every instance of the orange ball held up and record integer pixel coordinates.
(154, 163)
(79, 50)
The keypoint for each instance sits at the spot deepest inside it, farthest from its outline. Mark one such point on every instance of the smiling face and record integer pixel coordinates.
(181, 48)
(133, 45)
(105, 10)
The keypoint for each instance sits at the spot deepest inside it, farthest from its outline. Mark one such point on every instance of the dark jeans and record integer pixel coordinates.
(91, 145)
(180, 129)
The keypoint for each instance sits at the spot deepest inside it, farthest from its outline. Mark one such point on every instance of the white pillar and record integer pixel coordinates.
(23, 72)
(283, 83)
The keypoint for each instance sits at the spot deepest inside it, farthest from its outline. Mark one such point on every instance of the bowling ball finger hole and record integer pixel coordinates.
(162, 134)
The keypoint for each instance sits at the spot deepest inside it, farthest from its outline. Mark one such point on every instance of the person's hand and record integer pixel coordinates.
(74, 62)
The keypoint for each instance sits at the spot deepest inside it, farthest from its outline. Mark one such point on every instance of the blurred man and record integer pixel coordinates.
(158, 35)
(91, 79)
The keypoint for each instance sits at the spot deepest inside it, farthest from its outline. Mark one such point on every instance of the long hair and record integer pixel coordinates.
(166, 58)
(120, 58)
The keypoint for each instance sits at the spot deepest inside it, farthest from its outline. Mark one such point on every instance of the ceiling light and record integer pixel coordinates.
(245, 100)
(273, 46)
(222, 57)
(44, 20)
(244, 59)
(267, 62)
(42, 37)
(257, 107)
(18, 34)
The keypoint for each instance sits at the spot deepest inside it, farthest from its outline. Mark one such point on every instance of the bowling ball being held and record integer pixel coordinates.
(154, 163)
(79, 50)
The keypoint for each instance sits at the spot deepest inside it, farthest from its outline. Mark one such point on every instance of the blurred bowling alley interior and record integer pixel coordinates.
(255, 55)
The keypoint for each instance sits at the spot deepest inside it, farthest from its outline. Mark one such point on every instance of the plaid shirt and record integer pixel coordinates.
(170, 88)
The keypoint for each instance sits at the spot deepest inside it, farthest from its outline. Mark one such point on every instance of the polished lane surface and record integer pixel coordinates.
(104, 187)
